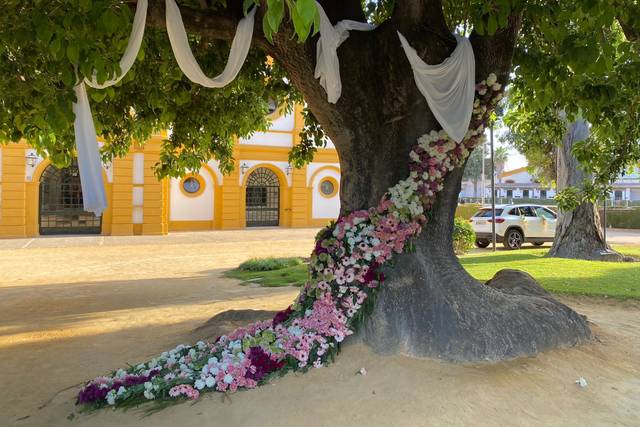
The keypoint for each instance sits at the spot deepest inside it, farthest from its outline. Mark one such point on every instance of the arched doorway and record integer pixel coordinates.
(263, 199)
(61, 208)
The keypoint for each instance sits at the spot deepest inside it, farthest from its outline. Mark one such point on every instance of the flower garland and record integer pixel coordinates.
(344, 275)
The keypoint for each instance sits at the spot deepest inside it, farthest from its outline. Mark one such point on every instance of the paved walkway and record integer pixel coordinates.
(619, 236)
(73, 308)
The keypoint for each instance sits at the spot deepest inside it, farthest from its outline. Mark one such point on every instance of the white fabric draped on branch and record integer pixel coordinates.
(449, 87)
(327, 63)
(187, 62)
(89, 163)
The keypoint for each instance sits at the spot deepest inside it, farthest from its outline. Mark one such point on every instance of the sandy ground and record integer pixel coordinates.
(71, 309)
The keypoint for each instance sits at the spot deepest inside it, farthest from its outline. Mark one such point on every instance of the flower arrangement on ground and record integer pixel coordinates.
(344, 273)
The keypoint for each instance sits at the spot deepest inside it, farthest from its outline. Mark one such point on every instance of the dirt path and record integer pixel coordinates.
(71, 312)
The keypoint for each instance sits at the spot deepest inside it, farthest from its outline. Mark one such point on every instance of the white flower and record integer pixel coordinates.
(199, 384)
(148, 385)
(111, 397)
(491, 79)
(149, 395)
(210, 382)
(121, 391)
(228, 379)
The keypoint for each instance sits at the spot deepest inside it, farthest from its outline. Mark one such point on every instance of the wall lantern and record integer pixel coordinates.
(32, 158)
(244, 168)
(289, 169)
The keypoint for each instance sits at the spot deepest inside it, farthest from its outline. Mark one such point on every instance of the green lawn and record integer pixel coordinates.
(288, 276)
(617, 280)
(611, 279)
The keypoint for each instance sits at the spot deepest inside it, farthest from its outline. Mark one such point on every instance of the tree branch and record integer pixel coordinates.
(215, 24)
(338, 10)
(423, 23)
(494, 54)
(410, 15)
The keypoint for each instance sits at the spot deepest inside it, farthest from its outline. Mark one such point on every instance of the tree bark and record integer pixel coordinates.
(579, 232)
(432, 307)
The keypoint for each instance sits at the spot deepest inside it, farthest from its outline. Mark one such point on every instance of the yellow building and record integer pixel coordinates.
(36, 198)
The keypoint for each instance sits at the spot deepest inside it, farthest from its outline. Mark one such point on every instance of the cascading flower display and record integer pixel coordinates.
(344, 275)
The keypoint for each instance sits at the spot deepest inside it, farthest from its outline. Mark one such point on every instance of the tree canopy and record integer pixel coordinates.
(562, 77)
(578, 56)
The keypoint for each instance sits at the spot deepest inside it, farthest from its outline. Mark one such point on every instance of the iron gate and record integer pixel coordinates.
(61, 208)
(263, 199)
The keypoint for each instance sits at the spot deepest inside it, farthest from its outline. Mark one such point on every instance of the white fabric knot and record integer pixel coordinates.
(327, 63)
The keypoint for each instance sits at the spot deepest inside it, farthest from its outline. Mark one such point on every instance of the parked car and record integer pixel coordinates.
(515, 225)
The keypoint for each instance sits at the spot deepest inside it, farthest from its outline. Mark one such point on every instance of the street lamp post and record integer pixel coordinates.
(484, 182)
(493, 190)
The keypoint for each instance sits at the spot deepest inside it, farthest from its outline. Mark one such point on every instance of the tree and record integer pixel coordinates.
(579, 231)
(473, 169)
(430, 306)
(500, 157)
(607, 94)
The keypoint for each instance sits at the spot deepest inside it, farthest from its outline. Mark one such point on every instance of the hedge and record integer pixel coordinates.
(465, 211)
(622, 218)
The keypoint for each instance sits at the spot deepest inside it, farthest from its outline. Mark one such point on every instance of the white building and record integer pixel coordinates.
(520, 184)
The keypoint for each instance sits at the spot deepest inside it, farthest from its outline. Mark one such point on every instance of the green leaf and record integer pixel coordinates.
(98, 95)
(307, 10)
(110, 21)
(67, 76)
(302, 28)
(44, 32)
(85, 5)
(247, 5)
(275, 13)
(73, 52)
(266, 28)
(54, 47)
(492, 24)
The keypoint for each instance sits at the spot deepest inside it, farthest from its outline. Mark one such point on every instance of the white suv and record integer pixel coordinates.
(515, 224)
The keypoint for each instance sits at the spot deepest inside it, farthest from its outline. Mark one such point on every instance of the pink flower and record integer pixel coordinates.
(184, 390)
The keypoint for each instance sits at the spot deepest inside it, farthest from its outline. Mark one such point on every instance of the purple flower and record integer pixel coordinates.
(263, 363)
(282, 316)
(370, 275)
(93, 391)
(319, 249)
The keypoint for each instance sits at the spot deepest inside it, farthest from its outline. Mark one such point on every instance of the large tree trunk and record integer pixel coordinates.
(429, 305)
(432, 307)
(579, 232)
